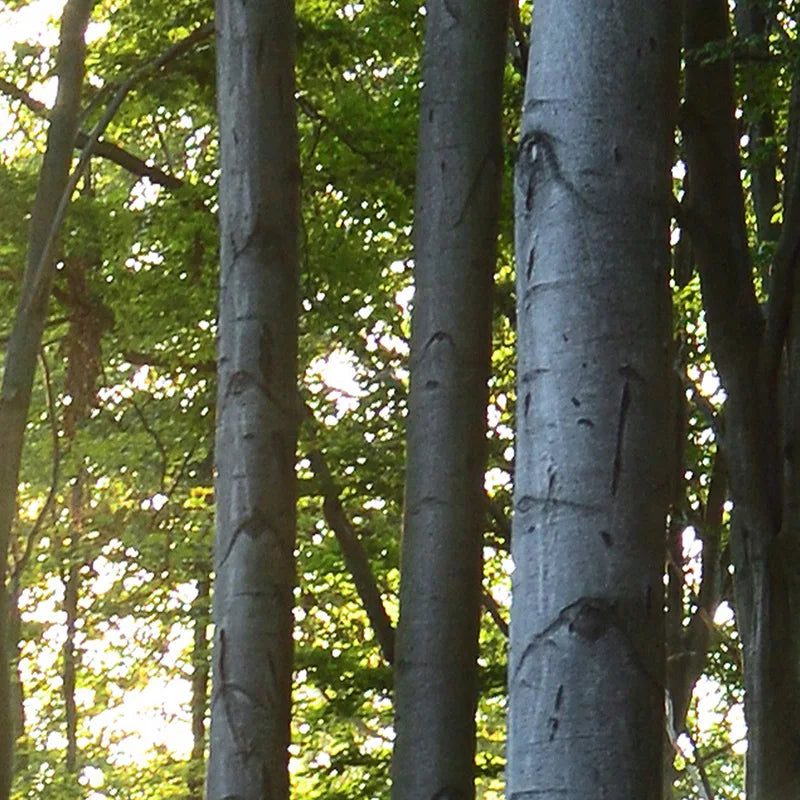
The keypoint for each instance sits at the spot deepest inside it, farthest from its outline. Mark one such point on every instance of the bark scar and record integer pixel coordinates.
(624, 405)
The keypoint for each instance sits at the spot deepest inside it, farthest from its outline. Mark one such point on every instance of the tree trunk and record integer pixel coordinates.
(749, 350)
(26, 334)
(200, 669)
(586, 667)
(257, 410)
(458, 181)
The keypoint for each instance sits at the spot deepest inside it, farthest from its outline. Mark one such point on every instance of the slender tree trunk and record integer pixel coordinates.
(751, 22)
(26, 334)
(257, 409)
(71, 588)
(458, 182)
(200, 669)
(586, 668)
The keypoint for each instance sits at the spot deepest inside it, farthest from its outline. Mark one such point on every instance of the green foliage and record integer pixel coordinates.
(140, 533)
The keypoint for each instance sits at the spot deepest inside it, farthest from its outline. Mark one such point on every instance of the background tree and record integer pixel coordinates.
(753, 348)
(455, 233)
(23, 345)
(257, 409)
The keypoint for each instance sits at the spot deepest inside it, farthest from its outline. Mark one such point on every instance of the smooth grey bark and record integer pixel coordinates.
(753, 352)
(586, 667)
(459, 168)
(23, 345)
(257, 410)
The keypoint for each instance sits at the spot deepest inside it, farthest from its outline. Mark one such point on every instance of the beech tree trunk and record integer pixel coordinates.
(455, 234)
(26, 335)
(753, 349)
(257, 410)
(586, 667)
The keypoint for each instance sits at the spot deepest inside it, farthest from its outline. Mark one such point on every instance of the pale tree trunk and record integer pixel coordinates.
(26, 334)
(761, 440)
(257, 409)
(586, 667)
(455, 234)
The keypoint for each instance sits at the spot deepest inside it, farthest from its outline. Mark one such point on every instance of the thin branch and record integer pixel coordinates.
(787, 253)
(518, 29)
(501, 522)
(107, 150)
(162, 450)
(354, 555)
(493, 607)
(348, 139)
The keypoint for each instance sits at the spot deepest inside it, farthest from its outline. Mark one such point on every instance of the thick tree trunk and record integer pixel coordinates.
(257, 411)
(26, 334)
(586, 668)
(458, 182)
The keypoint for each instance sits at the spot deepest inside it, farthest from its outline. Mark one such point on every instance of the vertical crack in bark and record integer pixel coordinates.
(624, 405)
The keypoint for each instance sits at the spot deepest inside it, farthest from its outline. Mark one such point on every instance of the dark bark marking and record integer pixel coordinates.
(527, 403)
(575, 402)
(551, 483)
(586, 422)
(527, 377)
(617, 154)
(653, 44)
(430, 385)
(630, 373)
(255, 525)
(559, 697)
(527, 502)
(473, 187)
(588, 617)
(435, 338)
(454, 14)
(553, 722)
(624, 405)
(606, 537)
(593, 617)
(529, 266)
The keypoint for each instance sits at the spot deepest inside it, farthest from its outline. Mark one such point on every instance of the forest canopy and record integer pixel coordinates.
(110, 559)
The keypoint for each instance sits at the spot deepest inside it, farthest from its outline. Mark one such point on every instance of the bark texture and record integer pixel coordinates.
(257, 410)
(761, 441)
(586, 667)
(458, 182)
(26, 334)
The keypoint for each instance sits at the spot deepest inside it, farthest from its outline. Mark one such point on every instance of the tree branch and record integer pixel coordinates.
(787, 253)
(107, 150)
(714, 213)
(354, 556)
